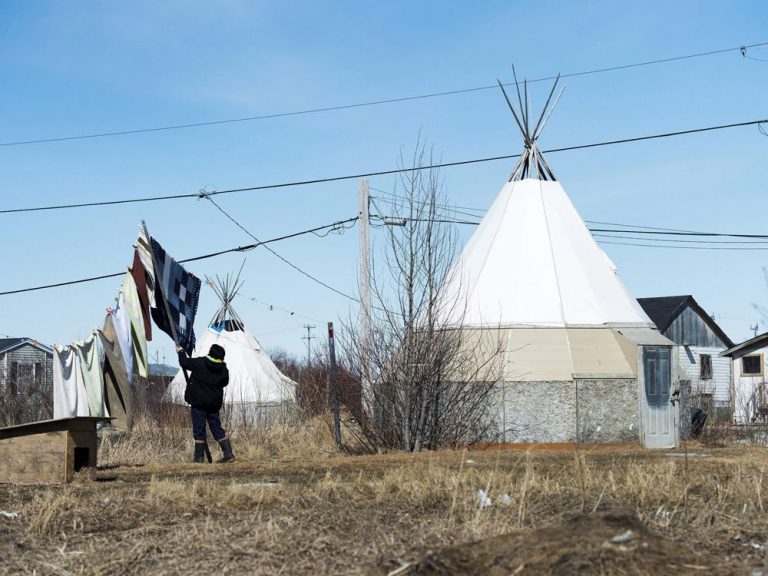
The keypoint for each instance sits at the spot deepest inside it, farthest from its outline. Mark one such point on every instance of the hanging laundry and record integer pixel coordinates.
(142, 278)
(144, 250)
(181, 290)
(69, 395)
(119, 395)
(122, 323)
(93, 377)
(138, 336)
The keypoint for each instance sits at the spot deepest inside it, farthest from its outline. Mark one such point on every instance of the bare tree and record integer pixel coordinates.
(427, 384)
(26, 398)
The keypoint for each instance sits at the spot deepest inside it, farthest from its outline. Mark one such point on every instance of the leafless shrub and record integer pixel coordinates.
(426, 384)
(25, 398)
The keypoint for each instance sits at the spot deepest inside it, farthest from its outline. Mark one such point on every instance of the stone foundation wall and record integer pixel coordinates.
(608, 411)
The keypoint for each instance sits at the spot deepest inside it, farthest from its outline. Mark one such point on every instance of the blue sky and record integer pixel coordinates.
(78, 68)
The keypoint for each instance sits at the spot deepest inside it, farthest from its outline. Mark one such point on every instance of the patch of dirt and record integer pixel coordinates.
(601, 543)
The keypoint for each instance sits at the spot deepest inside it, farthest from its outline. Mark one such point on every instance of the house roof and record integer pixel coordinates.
(759, 341)
(664, 309)
(8, 344)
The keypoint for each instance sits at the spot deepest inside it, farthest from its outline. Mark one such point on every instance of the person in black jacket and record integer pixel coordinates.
(205, 393)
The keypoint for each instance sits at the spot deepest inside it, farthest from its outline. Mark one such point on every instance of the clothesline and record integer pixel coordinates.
(155, 288)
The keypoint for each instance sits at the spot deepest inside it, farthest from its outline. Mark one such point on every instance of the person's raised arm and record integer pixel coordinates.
(184, 360)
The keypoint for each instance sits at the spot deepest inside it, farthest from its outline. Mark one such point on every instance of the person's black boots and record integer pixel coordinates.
(226, 451)
(200, 452)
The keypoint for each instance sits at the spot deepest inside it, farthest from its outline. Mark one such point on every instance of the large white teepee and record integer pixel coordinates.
(254, 380)
(532, 262)
(580, 360)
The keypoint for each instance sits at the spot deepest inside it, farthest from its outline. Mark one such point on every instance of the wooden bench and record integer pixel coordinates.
(48, 452)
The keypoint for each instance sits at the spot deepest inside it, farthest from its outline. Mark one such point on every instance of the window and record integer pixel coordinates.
(13, 388)
(752, 365)
(25, 373)
(706, 367)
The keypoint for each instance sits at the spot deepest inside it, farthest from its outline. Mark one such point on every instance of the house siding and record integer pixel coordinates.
(26, 355)
(695, 337)
(689, 329)
(26, 393)
(719, 386)
(749, 391)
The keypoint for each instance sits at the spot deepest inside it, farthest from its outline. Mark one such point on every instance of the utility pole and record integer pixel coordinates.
(755, 328)
(332, 386)
(309, 339)
(365, 283)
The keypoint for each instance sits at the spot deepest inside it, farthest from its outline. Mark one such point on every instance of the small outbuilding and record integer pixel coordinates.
(700, 342)
(48, 452)
(26, 380)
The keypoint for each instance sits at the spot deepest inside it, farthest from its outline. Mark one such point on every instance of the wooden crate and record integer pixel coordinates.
(48, 452)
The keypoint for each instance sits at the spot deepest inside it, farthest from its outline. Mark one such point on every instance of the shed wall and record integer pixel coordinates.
(689, 329)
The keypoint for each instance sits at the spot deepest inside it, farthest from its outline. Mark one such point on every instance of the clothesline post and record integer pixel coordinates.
(159, 288)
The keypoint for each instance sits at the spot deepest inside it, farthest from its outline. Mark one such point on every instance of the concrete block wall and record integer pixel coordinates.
(608, 411)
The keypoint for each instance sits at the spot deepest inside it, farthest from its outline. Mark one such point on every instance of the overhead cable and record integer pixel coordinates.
(610, 232)
(741, 49)
(380, 172)
(185, 260)
(680, 247)
(271, 251)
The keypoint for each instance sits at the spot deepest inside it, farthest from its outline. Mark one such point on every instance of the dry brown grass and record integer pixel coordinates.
(328, 513)
(152, 444)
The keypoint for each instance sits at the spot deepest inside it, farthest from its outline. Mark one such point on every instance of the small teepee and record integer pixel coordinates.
(256, 387)
(576, 344)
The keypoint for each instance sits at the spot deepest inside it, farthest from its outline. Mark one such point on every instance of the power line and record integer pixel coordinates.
(637, 226)
(450, 209)
(741, 49)
(680, 247)
(193, 259)
(655, 232)
(674, 240)
(272, 307)
(271, 251)
(608, 233)
(612, 233)
(382, 172)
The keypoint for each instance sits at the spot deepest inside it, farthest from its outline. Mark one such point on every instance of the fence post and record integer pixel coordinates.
(332, 387)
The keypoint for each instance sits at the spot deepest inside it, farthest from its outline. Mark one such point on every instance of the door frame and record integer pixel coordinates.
(643, 404)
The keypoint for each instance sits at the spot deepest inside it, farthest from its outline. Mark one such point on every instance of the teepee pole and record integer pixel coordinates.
(546, 106)
(511, 108)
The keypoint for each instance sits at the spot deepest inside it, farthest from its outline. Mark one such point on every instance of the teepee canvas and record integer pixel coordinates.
(256, 386)
(576, 344)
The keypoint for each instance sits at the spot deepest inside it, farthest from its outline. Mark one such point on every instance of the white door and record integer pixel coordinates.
(658, 412)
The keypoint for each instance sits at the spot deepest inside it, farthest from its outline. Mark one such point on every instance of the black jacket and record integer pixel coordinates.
(205, 390)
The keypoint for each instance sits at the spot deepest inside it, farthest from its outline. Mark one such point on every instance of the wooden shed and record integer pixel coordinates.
(48, 452)
(701, 342)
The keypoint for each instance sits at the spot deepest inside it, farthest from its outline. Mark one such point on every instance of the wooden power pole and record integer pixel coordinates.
(333, 387)
(365, 285)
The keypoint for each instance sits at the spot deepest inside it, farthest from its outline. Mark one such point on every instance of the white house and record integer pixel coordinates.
(749, 378)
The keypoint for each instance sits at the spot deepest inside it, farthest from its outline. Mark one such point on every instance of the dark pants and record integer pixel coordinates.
(199, 418)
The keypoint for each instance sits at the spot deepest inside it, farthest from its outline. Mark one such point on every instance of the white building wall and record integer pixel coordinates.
(720, 384)
(747, 389)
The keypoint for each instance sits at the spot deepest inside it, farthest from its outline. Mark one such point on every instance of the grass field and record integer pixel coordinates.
(291, 505)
